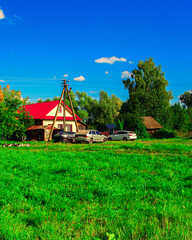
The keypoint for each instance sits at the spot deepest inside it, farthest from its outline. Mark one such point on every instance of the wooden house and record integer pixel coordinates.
(151, 124)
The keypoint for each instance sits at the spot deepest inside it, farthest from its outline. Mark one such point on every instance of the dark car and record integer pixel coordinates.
(64, 137)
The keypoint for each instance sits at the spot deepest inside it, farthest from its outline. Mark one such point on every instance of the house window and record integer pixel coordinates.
(60, 109)
(69, 128)
(60, 126)
(81, 127)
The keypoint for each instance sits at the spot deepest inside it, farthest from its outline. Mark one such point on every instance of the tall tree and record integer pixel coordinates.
(147, 91)
(87, 107)
(108, 108)
(178, 118)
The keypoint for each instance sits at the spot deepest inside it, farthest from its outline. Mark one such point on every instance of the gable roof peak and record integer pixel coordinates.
(40, 110)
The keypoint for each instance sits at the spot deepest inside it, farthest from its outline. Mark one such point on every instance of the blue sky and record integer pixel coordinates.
(92, 41)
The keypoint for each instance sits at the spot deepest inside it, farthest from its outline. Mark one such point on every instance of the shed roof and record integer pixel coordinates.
(40, 127)
(151, 123)
(40, 110)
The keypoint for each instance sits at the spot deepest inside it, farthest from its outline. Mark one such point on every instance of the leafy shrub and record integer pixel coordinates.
(141, 130)
(14, 120)
(119, 124)
(163, 133)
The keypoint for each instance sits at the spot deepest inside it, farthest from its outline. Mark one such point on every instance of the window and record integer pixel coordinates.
(60, 126)
(81, 127)
(93, 132)
(69, 128)
(98, 133)
(116, 133)
(60, 109)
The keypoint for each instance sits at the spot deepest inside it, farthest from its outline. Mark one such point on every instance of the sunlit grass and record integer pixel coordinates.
(116, 190)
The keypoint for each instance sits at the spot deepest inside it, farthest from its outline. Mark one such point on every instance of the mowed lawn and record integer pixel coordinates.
(112, 190)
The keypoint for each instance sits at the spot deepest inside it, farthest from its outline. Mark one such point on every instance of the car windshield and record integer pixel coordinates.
(98, 133)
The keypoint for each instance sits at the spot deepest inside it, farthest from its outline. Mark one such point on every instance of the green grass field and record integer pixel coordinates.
(115, 190)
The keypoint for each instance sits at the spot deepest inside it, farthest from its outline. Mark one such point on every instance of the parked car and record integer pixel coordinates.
(122, 135)
(90, 136)
(64, 137)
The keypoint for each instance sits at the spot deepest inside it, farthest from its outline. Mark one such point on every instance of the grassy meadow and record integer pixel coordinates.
(112, 190)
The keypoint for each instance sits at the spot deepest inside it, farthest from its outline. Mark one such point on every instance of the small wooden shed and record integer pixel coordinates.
(40, 133)
(151, 124)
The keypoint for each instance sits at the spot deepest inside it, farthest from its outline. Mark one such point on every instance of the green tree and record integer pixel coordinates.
(147, 91)
(13, 118)
(39, 100)
(108, 109)
(73, 100)
(87, 107)
(56, 98)
(179, 118)
(186, 98)
(47, 100)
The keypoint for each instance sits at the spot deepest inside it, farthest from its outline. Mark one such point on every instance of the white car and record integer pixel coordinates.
(89, 136)
(122, 135)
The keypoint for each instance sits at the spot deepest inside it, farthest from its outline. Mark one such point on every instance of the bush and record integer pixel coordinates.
(163, 133)
(14, 120)
(141, 130)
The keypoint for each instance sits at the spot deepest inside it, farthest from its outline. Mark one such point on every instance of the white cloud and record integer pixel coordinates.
(54, 77)
(106, 72)
(65, 75)
(2, 16)
(81, 78)
(17, 17)
(110, 60)
(130, 62)
(2, 81)
(125, 74)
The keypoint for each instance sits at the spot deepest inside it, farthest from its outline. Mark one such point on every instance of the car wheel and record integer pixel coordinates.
(104, 139)
(91, 140)
(124, 139)
(65, 140)
(109, 139)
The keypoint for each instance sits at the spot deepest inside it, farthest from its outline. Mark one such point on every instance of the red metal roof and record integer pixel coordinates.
(40, 110)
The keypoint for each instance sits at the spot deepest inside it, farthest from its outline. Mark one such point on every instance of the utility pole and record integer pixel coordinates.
(65, 89)
(64, 110)
(72, 109)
